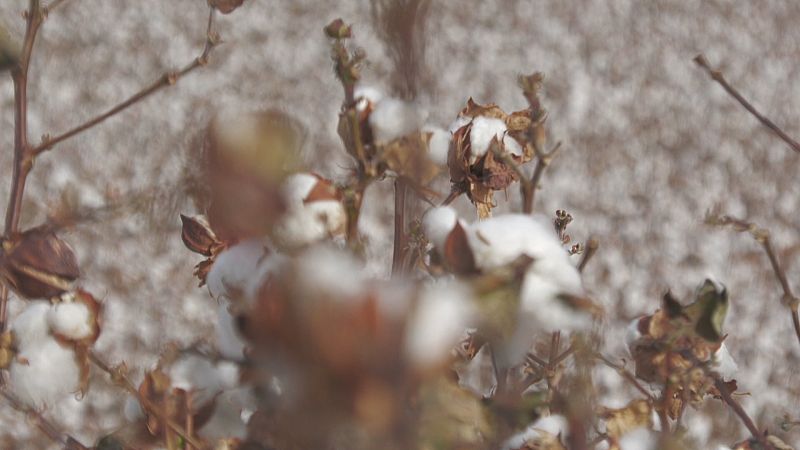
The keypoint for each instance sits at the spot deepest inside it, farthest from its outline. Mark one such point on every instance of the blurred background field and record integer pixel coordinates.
(650, 144)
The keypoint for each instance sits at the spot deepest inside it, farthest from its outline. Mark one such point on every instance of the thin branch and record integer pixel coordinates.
(399, 244)
(717, 76)
(118, 377)
(529, 189)
(166, 80)
(22, 164)
(737, 408)
(626, 375)
(762, 236)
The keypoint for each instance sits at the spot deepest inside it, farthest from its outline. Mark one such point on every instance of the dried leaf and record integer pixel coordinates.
(408, 157)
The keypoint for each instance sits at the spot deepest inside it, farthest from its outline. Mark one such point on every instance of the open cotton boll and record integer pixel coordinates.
(393, 118)
(437, 223)
(203, 378)
(44, 370)
(306, 222)
(327, 272)
(230, 342)
(724, 363)
(438, 145)
(458, 123)
(72, 320)
(484, 129)
(632, 334)
(444, 311)
(639, 439)
(234, 267)
(30, 327)
(540, 302)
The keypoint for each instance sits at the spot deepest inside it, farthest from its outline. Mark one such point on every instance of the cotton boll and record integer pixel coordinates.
(306, 222)
(639, 439)
(232, 410)
(478, 375)
(724, 363)
(439, 144)
(484, 129)
(203, 378)
(328, 272)
(458, 123)
(555, 425)
(437, 223)
(234, 267)
(230, 342)
(72, 320)
(44, 370)
(541, 302)
(512, 146)
(443, 312)
(392, 119)
(30, 327)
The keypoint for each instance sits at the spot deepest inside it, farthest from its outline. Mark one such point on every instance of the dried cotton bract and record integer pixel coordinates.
(314, 212)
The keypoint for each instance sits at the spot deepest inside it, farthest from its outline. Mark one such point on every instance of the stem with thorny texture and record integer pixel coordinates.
(717, 76)
(118, 377)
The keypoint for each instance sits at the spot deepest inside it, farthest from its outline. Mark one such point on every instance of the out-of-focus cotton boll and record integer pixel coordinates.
(724, 363)
(44, 370)
(393, 118)
(639, 439)
(438, 145)
(230, 342)
(458, 123)
(500, 240)
(444, 311)
(306, 222)
(72, 320)
(203, 378)
(437, 223)
(331, 273)
(545, 428)
(632, 334)
(365, 95)
(232, 410)
(234, 268)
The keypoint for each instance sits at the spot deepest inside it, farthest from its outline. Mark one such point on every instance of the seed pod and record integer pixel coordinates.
(37, 264)
(198, 236)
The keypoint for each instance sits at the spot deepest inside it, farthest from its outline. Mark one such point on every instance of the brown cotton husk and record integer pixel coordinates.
(38, 264)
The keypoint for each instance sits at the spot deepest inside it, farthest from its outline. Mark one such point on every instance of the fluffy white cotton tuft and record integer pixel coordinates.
(331, 273)
(304, 222)
(724, 363)
(444, 311)
(439, 144)
(632, 334)
(234, 268)
(72, 320)
(44, 370)
(393, 118)
(437, 223)
(202, 377)
(458, 123)
(639, 439)
(484, 129)
(230, 342)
